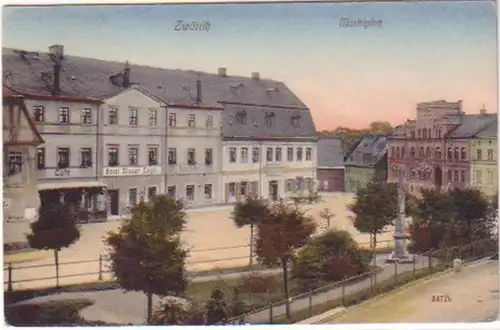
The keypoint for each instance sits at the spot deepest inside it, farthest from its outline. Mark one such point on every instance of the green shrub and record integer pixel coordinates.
(256, 283)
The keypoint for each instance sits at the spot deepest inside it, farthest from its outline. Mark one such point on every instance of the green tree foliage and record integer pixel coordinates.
(278, 237)
(173, 311)
(456, 217)
(146, 253)
(375, 207)
(331, 256)
(249, 212)
(55, 228)
(216, 308)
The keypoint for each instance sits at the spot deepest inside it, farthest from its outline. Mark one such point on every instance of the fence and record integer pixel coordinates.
(355, 289)
(97, 269)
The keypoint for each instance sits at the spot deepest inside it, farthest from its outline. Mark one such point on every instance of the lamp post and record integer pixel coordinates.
(400, 253)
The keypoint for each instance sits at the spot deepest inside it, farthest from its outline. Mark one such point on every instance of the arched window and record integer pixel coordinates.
(393, 153)
(421, 154)
(402, 152)
(420, 176)
(413, 134)
(463, 154)
(429, 134)
(456, 154)
(449, 154)
(455, 177)
(428, 152)
(462, 176)
(398, 152)
(448, 175)
(412, 151)
(438, 153)
(413, 174)
(424, 133)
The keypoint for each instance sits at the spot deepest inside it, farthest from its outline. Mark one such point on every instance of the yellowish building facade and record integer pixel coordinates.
(484, 159)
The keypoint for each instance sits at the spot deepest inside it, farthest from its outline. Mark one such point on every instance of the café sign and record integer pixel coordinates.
(132, 171)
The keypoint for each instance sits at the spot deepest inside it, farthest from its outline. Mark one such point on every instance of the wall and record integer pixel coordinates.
(356, 176)
(335, 179)
(484, 172)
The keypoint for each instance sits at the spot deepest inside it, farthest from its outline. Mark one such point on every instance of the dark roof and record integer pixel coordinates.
(471, 125)
(369, 151)
(330, 152)
(90, 78)
(490, 130)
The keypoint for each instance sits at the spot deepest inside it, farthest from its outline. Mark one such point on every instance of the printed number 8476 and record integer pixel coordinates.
(441, 298)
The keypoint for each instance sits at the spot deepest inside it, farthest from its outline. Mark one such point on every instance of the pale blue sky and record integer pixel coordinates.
(347, 76)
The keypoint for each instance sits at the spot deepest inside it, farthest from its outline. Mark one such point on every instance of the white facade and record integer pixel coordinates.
(268, 169)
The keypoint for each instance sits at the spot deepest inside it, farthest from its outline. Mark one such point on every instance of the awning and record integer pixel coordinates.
(70, 185)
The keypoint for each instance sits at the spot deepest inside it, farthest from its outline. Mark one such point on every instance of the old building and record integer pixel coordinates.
(367, 161)
(269, 147)
(20, 139)
(331, 164)
(434, 149)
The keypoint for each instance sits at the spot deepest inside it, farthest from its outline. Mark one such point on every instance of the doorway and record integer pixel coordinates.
(113, 201)
(438, 177)
(273, 190)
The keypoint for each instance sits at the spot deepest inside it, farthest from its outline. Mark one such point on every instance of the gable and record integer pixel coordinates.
(134, 98)
(18, 126)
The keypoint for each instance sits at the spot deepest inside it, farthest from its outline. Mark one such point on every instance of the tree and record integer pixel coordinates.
(331, 256)
(249, 212)
(326, 214)
(173, 311)
(146, 253)
(55, 228)
(380, 127)
(278, 237)
(375, 207)
(217, 309)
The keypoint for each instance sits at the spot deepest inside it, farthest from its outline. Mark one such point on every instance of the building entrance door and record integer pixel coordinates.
(273, 190)
(113, 201)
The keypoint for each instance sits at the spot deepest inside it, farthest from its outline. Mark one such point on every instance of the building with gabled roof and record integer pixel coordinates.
(331, 164)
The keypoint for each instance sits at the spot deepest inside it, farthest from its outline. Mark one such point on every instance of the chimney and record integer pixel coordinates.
(126, 75)
(57, 52)
(222, 72)
(255, 76)
(198, 92)
(56, 82)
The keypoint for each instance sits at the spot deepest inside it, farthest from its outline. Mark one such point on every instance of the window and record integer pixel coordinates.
(244, 155)
(428, 152)
(208, 156)
(413, 134)
(207, 190)
(255, 155)
(40, 158)
(438, 153)
(421, 154)
(191, 156)
(15, 160)
(241, 117)
(419, 133)
(270, 119)
(86, 155)
(171, 191)
(278, 154)
(290, 184)
(269, 154)
(113, 159)
(289, 154)
(231, 190)
(153, 117)
(38, 113)
(393, 152)
(133, 121)
(490, 177)
(133, 155)
(449, 154)
(455, 177)
(191, 120)
(299, 154)
(462, 176)
(309, 153)
(132, 196)
(402, 152)
(448, 175)
(64, 115)
(172, 156)
(479, 178)
(296, 121)
(424, 133)
(479, 154)
(113, 116)
(151, 192)
(490, 154)
(463, 154)
(232, 155)
(172, 120)
(210, 121)
(456, 154)
(190, 192)
(412, 151)
(62, 157)
(398, 152)
(152, 155)
(86, 116)
(243, 188)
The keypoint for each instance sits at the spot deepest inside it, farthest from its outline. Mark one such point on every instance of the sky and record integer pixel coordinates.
(347, 76)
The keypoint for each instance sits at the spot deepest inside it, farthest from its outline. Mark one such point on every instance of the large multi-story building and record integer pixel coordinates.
(141, 131)
(434, 150)
(484, 159)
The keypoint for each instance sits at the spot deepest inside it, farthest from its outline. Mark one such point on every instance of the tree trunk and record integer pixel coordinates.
(56, 259)
(149, 307)
(328, 220)
(284, 264)
(250, 262)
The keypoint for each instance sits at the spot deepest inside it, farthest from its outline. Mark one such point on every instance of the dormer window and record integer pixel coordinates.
(296, 120)
(270, 119)
(241, 117)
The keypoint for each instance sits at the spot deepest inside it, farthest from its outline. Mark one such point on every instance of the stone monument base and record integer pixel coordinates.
(401, 259)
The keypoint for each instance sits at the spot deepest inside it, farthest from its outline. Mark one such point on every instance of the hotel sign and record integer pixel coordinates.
(132, 171)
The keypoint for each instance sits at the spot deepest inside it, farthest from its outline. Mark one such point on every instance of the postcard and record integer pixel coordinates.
(250, 163)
